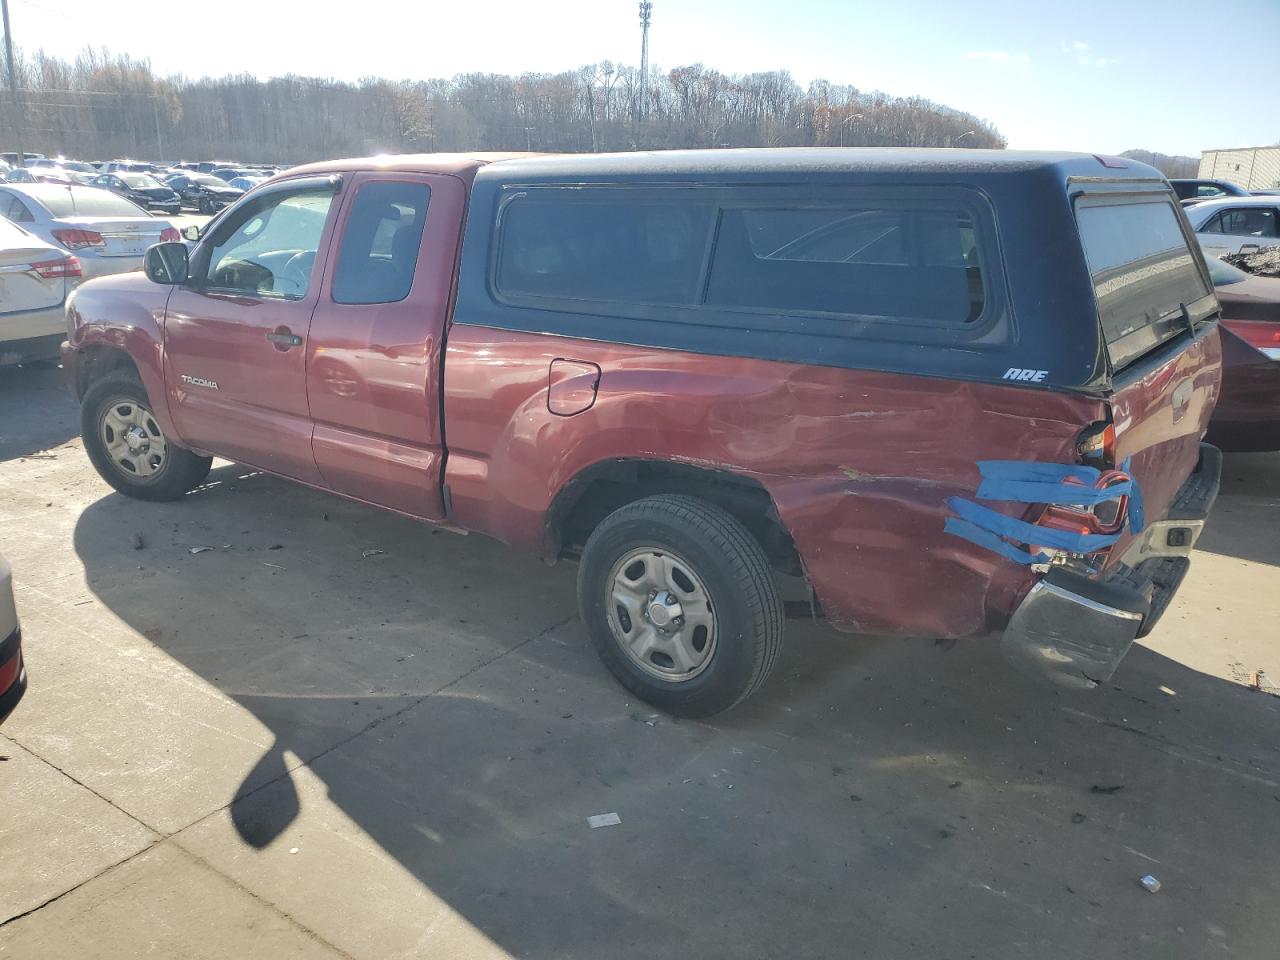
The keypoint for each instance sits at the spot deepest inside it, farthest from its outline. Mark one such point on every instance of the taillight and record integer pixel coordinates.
(54, 269)
(1096, 445)
(76, 239)
(1262, 335)
(170, 235)
(1102, 518)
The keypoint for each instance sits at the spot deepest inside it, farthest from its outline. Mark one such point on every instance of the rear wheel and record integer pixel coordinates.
(680, 603)
(127, 447)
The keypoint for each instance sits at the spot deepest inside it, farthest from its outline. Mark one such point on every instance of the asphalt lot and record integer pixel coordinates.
(282, 747)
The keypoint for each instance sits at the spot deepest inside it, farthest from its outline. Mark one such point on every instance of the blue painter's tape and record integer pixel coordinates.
(1136, 518)
(1019, 481)
(1024, 532)
(983, 538)
(1045, 483)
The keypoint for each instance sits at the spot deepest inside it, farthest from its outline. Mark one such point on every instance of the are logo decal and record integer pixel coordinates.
(1018, 373)
(199, 382)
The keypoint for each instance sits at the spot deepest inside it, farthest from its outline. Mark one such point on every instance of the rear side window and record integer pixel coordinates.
(1144, 275)
(604, 245)
(1244, 222)
(13, 209)
(380, 244)
(894, 263)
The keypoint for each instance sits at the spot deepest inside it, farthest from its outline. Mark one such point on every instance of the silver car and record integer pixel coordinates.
(35, 278)
(1235, 224)
(107, 232)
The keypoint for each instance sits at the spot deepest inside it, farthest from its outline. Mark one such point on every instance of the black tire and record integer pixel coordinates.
(205, 206)
(727, 559)
(180, 470)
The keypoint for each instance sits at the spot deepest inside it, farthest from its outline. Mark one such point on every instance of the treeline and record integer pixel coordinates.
(103, 106)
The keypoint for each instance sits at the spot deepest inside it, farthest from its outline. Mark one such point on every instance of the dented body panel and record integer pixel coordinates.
(858, 463)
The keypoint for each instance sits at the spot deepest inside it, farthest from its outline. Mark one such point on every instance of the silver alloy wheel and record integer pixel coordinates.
(132, 438)
(661, 614)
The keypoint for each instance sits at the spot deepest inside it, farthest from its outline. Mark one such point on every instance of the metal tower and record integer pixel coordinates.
(646, 15)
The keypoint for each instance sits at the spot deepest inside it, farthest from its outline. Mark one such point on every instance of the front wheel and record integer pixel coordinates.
(680, 604)
(127, 447)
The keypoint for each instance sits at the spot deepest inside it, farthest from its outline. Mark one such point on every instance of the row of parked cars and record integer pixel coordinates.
(204, 186)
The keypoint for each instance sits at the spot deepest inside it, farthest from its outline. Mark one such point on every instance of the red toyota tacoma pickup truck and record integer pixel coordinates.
(957, 392)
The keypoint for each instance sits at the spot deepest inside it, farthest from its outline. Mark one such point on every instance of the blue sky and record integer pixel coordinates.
(1089, 75)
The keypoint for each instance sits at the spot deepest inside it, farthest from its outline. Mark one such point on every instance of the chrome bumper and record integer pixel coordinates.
(1075, 629)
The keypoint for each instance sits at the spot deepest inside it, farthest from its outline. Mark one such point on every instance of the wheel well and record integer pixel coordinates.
(96, 362)
(595, 493)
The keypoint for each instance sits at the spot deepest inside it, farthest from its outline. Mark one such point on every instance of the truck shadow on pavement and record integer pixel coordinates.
(427, 703)
(38, 411)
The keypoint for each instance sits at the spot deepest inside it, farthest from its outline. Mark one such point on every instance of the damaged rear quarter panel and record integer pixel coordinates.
(858, 463)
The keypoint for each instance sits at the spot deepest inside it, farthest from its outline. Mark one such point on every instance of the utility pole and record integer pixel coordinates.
(646, 15)
(13, 84)
(155, 111)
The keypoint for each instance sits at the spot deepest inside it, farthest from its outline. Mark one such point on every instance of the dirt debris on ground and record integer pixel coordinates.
(1263, 263)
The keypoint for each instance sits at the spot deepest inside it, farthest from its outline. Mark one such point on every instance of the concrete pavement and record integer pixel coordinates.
(283, 747)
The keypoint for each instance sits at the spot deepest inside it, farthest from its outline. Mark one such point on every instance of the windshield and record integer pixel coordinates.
(89, 202)
(1222, 273)
(78, 165)
(206, 180)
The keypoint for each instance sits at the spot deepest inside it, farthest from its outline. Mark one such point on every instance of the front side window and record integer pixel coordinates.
(602, 244)
(380, 243)
(913, 264)
(270, 250)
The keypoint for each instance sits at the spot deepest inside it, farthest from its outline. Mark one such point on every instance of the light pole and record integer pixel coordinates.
(847, 120)
(646, 17)
(13, 84)
(967, 133)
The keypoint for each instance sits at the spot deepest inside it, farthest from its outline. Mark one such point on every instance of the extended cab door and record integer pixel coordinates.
(376, 343)
(236, 332)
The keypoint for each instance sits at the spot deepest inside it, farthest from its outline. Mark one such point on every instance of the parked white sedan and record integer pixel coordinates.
(107, 232)
(35, 279)
(1235, 224)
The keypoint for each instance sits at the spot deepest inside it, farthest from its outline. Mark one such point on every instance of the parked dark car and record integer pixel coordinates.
(1194, 190)
(231, 173)
(203, 191)
(700, 372)
(1247, 417)
(208, 166)
(143, 189)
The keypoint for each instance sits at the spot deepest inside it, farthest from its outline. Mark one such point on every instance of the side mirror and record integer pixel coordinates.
(166, 263)
(191, 232)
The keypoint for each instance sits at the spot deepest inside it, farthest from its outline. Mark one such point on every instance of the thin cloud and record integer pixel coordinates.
(1084, 56)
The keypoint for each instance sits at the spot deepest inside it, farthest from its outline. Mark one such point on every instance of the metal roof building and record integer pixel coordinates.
(1254, 168)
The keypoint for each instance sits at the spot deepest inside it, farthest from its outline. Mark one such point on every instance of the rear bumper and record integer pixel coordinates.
(30, 348)
(30, 324)
(1075, 629)
(13, 673)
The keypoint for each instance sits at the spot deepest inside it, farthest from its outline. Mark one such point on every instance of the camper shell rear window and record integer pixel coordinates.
(1145, 276)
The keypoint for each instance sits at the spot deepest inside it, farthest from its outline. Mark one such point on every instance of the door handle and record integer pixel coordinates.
(284, 339)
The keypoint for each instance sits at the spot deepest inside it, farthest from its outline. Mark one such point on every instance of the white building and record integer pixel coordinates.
(1254, 168)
